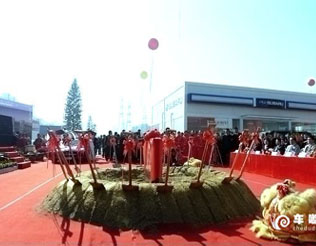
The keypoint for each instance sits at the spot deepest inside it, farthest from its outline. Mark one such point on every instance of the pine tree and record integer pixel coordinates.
(72, 118)
(91, 125)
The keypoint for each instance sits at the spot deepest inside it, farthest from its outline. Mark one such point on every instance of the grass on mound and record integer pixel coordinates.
(214, 203)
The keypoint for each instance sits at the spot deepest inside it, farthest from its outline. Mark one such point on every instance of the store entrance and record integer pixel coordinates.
(266, 125)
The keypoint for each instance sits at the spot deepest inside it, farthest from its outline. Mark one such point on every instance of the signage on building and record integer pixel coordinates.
(222, 123)
(174, 103)
(221, 99)
(15, 105)
(301, 105)
(270, 103)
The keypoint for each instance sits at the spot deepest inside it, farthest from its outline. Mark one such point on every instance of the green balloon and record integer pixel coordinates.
(144, 75)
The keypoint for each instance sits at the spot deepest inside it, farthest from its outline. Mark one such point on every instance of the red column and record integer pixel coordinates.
(156, 159)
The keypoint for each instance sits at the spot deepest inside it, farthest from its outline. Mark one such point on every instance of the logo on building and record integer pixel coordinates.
(174, 103)
(270, 103)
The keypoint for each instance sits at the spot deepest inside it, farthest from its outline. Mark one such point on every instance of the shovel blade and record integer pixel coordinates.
(196, 185)
(97, 186)
(130, 187)
(76, 181)
(238, 178)
(227, 180)
(164, 188)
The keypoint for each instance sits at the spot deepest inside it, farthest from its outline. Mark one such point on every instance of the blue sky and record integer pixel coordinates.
(44, 45)
(269, 44)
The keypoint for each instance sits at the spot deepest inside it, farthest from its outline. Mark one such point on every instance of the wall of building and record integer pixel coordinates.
(44, 128)
(174, 110)
(21, 114)
(244, 107)
(169, 112)
(35, 129)
(159, 115)
(194, 105)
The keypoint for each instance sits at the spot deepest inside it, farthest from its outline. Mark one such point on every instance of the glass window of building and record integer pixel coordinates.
(266, 125)
(236, 123)
(198, 123)
(304, 127)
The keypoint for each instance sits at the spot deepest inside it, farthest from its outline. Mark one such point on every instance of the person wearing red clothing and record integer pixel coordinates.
(200, 144)
(185, 140)
(195, 147)
(178, 139)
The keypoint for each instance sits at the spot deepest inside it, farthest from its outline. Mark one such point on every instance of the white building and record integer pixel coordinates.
(35, 128)
(193, 105)
(21, 115)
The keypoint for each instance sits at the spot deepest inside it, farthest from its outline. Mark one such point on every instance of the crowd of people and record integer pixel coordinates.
(226, 142)
(21, 140)
(107, 145)
(287, 144)
(111, 146)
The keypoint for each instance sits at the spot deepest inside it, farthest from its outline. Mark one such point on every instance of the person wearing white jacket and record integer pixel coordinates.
(292, 147)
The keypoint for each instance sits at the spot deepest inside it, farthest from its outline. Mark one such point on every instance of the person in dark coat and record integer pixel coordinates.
(279, 146)
(227, 146)
(108, 148)
(235, 139)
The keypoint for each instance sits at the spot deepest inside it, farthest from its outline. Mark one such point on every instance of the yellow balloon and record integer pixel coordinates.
(144, 75)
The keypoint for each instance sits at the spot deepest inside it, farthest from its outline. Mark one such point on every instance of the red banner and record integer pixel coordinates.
(300, 169)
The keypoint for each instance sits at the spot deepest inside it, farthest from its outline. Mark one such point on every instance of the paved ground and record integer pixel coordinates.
(21, 223)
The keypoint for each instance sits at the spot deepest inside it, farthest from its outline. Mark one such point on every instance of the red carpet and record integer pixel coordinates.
(23, 190)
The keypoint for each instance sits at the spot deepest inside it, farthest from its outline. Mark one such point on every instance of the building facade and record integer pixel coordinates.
(35, 128)
(194, 105)
(43, 129)
(20, 113)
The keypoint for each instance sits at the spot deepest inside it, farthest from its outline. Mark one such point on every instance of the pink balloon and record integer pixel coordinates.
(153, 44)
(311, 82)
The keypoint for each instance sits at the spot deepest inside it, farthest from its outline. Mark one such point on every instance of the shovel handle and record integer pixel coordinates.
(72, 154)
(211, 155)
(63, 158)
(61, 163)
(245, 160)
(130, 168)
(204, 152)
(189, 153)
(235, 160)
(90, 165)
(202, 162)
(168, 167)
